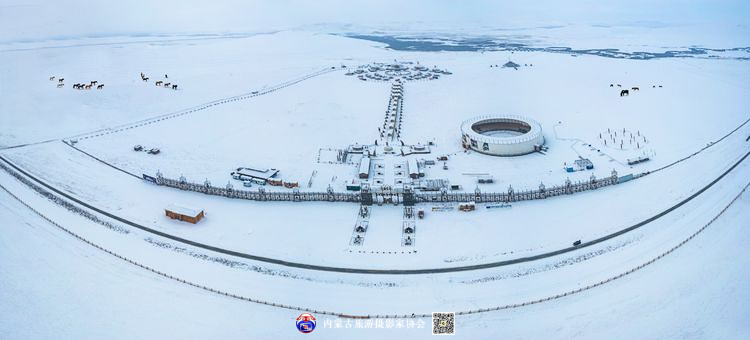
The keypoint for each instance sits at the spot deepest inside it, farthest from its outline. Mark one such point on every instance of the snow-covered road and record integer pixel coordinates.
(67, 289)
(310, 266)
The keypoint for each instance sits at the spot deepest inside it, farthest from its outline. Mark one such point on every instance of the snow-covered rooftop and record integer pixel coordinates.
(183, 210)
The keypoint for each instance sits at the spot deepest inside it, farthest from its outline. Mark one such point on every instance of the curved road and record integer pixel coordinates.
(379, 271)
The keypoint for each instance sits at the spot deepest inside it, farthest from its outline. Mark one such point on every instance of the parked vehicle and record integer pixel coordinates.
(467, 206)
(275, 182)
(291, 185)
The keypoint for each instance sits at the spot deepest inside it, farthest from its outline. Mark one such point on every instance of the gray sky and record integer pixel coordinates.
(33, 20)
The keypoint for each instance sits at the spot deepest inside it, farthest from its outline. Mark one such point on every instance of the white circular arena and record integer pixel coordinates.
(502, 135)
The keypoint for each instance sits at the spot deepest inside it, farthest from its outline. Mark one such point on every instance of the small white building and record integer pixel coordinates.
(364, 168)
(249, 173)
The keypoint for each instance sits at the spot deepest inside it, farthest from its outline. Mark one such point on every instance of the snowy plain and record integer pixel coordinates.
(54, 285)
(95, 295)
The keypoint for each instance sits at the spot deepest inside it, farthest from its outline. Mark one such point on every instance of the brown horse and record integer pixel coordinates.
(100, 86)
(174, 87)
(624, 93)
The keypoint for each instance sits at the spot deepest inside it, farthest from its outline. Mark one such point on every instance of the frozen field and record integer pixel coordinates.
(290, 100)
(675, 288)
(285, 129)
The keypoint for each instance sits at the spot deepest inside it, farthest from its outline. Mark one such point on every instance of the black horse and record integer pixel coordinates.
(624, 93)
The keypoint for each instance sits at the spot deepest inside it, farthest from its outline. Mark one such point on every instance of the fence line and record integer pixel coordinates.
(405, 195)
(147, 121)
(701, 149)
(260, 195)
(61, 202)
(385, 316)
(512, 196)
(374, 271)
(155, 271)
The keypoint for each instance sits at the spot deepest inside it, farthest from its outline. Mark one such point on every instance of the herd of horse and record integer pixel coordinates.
(78, 86)
(160, 82)
(91, 84)
(626, 92)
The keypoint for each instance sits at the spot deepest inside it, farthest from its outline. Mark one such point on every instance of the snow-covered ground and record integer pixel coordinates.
(285, 129)
(279, 97)
(67, 289)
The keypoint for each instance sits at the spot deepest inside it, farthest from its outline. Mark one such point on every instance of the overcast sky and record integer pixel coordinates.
(34, 20)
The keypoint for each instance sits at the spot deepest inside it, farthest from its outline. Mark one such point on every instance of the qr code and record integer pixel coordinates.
(443, 323)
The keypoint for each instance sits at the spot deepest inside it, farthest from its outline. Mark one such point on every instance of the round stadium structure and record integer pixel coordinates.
(502, 135)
